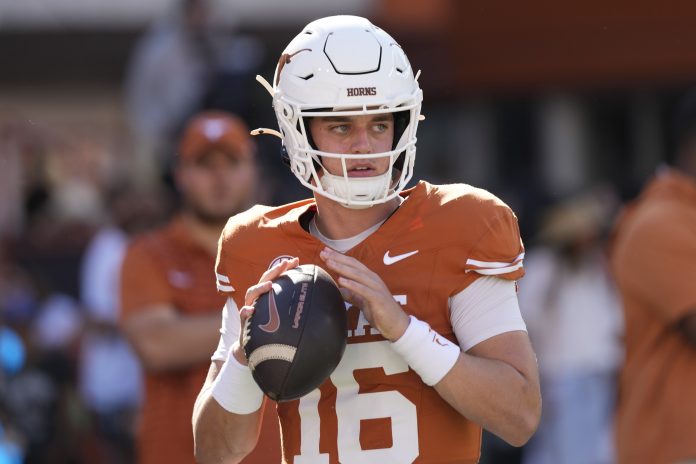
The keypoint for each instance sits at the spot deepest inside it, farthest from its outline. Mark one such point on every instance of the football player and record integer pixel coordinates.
(437, 348)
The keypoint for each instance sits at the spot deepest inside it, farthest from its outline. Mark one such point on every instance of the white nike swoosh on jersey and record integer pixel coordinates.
(388, 260)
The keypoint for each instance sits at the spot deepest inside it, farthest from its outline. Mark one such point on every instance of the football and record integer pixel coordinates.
(297, 334)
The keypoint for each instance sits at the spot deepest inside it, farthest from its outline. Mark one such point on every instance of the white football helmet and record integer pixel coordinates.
(346, 66)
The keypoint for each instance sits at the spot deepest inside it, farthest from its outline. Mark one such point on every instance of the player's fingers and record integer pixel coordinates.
(279, 268)
(346, 294)
(246, 312)
(360, 292)
(366, 278)
(351, 297)
(352, 291)
(256, 291)
(350, 267)
(328, 253)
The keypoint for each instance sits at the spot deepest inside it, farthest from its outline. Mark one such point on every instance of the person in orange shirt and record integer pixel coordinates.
(653, 258)
(170, 309)
(437, 348)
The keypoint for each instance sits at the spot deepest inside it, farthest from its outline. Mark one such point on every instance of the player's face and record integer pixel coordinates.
(363, 134)
(216, 185)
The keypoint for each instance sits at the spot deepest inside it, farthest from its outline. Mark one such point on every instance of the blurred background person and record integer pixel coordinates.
(169, 310)
(169, 73)
(654, 262)
(574, 320)
(39, 287)
(110, 379)
(179, 66)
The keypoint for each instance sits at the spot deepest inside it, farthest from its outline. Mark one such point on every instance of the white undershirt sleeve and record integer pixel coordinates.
(229, 332)
(486, 308)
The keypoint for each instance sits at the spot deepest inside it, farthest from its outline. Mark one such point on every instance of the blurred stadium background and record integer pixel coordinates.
(535, 101)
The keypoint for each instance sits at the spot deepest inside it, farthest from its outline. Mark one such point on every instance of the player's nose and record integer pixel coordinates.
(361, 141)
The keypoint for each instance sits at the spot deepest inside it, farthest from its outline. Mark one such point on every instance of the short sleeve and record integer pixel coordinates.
(499, 252)
(222, 276)
(655, 261)
(486, 308)
(143, 281)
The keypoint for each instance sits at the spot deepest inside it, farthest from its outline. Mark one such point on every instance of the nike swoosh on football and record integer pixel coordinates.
(388, 260)
(273, 323)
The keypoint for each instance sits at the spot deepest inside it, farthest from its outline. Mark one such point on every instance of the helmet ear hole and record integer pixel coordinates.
(301, 170)
(287, 111)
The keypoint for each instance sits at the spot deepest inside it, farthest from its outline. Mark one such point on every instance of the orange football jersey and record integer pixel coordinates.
(374, 408)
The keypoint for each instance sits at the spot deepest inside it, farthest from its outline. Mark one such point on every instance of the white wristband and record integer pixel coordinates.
(427, 352)
(235, 388)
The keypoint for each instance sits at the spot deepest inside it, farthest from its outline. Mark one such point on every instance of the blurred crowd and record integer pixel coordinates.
(71, 387)
(70, 384)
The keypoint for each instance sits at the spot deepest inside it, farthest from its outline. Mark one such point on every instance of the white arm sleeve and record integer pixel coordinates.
(229, 332)
(486, 308)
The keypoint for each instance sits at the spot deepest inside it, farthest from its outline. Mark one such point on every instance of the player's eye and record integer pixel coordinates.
(339, 129)
(381, 127)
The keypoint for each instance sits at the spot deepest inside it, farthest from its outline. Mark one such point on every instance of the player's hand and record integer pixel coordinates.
(366, 290)
(252, 294)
